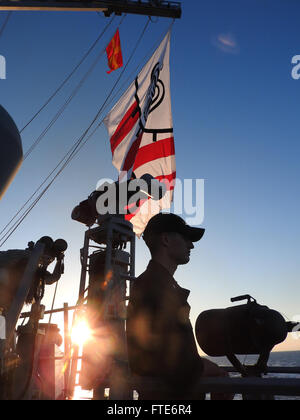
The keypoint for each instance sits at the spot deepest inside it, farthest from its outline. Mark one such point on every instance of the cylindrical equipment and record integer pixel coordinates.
(11, 152)
(244, 329)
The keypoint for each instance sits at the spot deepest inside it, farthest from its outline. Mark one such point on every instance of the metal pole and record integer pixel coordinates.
(54, 311)
(2, 355)
(72, 368)
(46, 363)
(67, 349)
(84, 265)
(108, 255)
(132, 257)
(2, 345)
(73, 372)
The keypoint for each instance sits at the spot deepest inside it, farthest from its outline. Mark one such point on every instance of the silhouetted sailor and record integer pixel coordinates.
(161, 341)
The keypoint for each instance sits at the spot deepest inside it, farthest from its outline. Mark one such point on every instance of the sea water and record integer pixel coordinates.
(281, 359)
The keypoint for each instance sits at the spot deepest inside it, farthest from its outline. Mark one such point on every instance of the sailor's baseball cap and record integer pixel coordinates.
(165, 222)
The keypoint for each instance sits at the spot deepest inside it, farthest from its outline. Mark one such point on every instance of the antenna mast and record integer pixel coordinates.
(159, 8)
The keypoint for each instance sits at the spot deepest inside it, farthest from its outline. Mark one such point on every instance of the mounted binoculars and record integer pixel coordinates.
(244, 329)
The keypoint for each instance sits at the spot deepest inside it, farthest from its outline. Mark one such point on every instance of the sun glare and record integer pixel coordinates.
(80, 333)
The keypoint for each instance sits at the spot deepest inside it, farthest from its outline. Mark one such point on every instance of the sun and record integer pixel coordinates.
(81, 332)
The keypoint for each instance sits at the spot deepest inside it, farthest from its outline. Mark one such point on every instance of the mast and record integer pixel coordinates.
(158, 8)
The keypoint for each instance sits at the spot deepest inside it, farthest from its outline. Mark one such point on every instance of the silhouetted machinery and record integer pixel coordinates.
(106, 350)
(249, 329)
(23, 273)
(118, 199)
(110, 268)
(23, 277)
(11, 152)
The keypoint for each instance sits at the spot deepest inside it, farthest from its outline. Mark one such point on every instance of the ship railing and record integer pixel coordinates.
(270, 386)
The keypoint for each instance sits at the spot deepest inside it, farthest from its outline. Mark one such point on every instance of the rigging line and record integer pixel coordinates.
(53, 303)
(31, 207)
(64, 106)
(82, 142)
(25, 214)
(140, 65)
(73, 151)
(5, 23)
(70, 151)
(121, 21)
(119, 78)
(70, 75)
(136, 71)
(108, 99)
(35, 192)
(41, 136)
(65, 158)
(32, 196)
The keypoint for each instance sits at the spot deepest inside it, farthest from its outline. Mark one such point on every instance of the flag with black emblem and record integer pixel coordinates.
(140, 127)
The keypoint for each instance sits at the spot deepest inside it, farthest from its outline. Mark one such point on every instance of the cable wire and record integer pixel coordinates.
(53, 303)
(71, 153)
(64, 106)
(81, 146)
(52, 122)
(69, 76)
(8, 16)
(134, 72)
(150, 52)
(67, 102)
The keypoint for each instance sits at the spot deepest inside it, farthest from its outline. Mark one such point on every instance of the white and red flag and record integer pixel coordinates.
(140, 127)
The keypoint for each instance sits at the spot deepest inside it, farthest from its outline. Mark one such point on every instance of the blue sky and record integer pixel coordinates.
(235, 110)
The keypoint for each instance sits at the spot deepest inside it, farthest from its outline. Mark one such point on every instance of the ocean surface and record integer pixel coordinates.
(280, 359)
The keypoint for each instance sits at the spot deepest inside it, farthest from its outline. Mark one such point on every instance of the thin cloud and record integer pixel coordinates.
(226, 43)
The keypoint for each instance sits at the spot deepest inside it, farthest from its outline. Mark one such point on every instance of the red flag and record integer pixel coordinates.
(114, 53)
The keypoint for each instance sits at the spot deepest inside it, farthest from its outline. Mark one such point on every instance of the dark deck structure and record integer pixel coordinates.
(168, 9)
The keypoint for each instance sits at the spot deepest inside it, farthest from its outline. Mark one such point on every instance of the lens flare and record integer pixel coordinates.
(81, 332)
